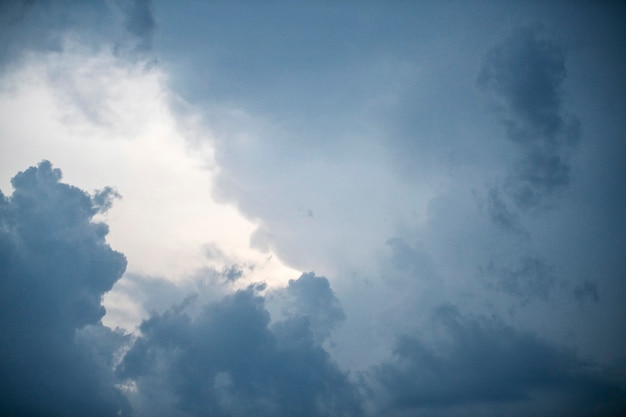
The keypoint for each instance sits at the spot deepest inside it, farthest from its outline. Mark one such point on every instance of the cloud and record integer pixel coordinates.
(40, 25)
(526, 74)
(530, 278)
(56, 266)
(226, 357)
(409, 260)
(139, 21)
(484, 367)
(137, 297)
(312, 299)
(228, 360)
(500, 212)
(384, 143)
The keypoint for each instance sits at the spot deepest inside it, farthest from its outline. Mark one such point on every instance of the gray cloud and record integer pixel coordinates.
(481, 362)
(42, 25)
(526, 74)
(139, 21)
(500, 211)
(226, 358)
(229, 361)
(55, 266)
(587, 291)
(151, 295)
(312, 298)
(411, 261)
(531, 277)
(367, 142)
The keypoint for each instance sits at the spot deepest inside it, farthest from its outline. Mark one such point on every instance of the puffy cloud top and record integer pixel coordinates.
(55, 266)
(230, 361)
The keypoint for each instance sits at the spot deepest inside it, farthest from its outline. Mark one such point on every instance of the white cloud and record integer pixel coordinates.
(108, 122)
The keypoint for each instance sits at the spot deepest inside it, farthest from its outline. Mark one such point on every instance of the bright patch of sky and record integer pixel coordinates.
(108, 122)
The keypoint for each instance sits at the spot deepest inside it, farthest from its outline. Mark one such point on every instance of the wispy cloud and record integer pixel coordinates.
(483, 361)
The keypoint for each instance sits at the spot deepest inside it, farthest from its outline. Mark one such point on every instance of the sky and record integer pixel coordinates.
(294, 208)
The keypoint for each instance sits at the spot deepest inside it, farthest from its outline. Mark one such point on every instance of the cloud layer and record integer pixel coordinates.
(526, 72)
(453, 172)
(230, 356)
(230, 360)
(56, 266)
(483, 361)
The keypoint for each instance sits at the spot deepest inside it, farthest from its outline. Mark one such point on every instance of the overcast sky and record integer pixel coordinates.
(312, 208)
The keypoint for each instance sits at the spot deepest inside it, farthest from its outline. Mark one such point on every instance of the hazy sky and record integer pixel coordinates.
(312, 208)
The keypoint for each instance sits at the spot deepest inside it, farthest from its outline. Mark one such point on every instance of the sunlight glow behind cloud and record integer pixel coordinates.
(107, 122)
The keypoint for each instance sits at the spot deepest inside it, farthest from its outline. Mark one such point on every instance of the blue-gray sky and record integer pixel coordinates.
(324, 209)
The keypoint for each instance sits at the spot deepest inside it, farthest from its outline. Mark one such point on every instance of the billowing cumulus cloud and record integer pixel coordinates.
(230, 360)
(139, 21)
(415, 154)
(226, 357)
(530, 278)
(230, 356)
(481, 362)
(42, 25)
(56, 266)
(500, 212)
(311, 298)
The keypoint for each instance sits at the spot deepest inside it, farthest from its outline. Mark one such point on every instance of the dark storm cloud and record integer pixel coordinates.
(21, 28)
(526, 73)
(530, 278)
(483, 362)
(313, 299)
(230, 361)
(139, 21)
(232, 273)
(410, 260)
(226, 358)
(55, 267)
(587, 291)
(41, 25)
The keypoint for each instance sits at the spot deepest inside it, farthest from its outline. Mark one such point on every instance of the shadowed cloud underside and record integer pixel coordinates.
(454, 173)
